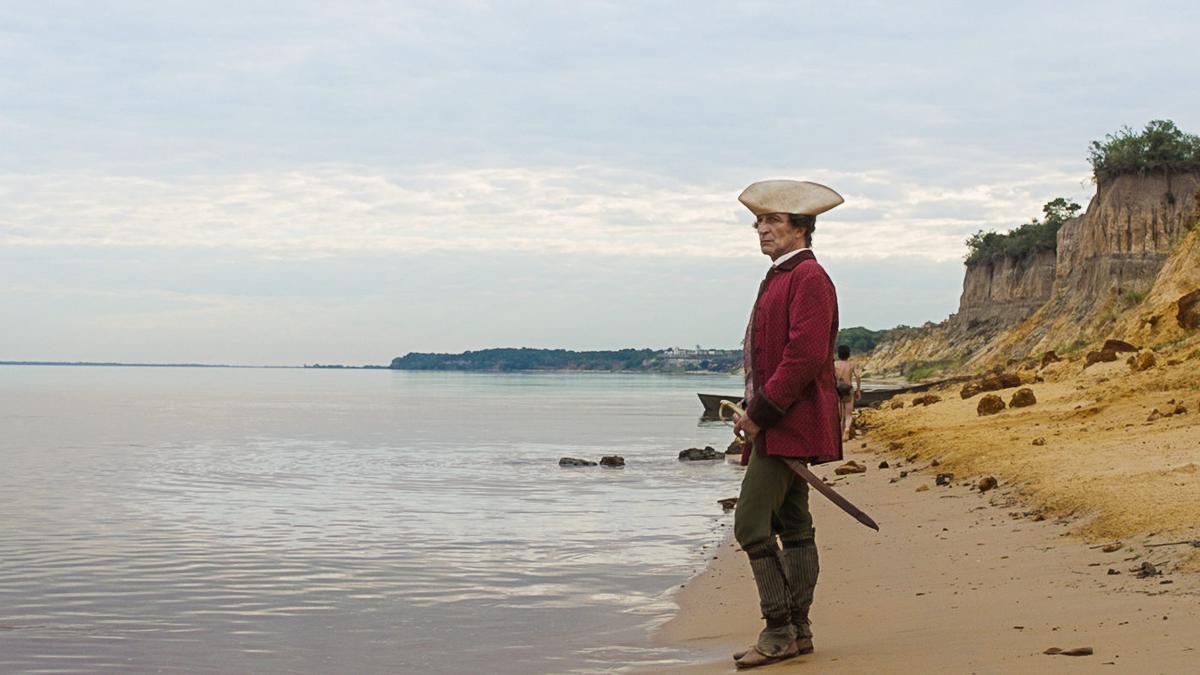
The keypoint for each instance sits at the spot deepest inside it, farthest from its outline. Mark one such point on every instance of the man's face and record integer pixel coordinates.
(776, 235)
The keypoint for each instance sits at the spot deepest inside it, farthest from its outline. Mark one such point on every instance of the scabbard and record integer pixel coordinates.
(844, 504)
(809, 477)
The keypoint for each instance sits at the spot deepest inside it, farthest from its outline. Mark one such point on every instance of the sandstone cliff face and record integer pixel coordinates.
(1156, 319)
(997, 294)
(1007, 289)
(1108, 260)
(1119, 244)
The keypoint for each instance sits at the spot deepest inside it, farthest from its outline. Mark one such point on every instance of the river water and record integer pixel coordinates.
(194, 520)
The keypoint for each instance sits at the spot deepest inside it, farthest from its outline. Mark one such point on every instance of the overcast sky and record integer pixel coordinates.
(345, 182)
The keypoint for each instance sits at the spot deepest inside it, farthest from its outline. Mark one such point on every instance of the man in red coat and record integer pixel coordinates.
(792, 411)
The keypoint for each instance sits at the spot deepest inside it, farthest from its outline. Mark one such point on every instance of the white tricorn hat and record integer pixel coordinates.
(789, 196)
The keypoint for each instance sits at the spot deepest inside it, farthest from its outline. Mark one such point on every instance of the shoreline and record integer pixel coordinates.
(951, 583)
(963, 581)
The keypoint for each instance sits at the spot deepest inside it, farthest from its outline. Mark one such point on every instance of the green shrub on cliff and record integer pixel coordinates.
(1160, 147)
(1036, 235)
(860, 340)
(925, 370)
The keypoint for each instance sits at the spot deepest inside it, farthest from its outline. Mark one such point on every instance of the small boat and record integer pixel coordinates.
(712, 404)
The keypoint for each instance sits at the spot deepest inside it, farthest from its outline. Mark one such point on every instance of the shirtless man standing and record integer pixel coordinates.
(849, 379)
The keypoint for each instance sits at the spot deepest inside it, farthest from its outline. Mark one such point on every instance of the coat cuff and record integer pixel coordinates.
(763, 410)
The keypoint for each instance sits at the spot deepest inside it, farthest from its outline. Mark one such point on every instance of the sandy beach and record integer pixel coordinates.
(962, 581)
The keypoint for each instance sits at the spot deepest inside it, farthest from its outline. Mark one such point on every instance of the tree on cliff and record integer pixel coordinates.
(1036, 235)
(1160, 147)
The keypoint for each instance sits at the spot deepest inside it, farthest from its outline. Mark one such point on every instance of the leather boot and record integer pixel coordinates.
(800, 566)
(776, 642)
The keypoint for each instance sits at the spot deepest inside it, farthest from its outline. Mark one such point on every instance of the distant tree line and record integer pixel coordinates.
(526, 358)
(860, 340)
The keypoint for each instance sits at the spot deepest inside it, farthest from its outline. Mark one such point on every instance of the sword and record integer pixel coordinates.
(809, 477)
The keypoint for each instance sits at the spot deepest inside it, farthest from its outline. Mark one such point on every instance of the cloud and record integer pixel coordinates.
(336, 209)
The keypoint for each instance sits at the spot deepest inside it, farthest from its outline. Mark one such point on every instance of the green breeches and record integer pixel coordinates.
(773, 501)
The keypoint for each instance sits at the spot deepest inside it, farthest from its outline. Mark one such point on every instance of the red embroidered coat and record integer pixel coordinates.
(789, 362)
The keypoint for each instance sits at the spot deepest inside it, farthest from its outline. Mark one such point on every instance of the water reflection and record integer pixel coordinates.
(190, 520)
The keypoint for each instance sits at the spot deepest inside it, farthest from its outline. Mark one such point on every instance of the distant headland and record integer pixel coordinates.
(673, 360)
(620, 360)
(508, 359)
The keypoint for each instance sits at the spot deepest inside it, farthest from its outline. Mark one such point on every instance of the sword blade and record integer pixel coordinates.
(844, 504)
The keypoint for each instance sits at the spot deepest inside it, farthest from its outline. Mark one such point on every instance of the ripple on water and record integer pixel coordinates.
(255, 521)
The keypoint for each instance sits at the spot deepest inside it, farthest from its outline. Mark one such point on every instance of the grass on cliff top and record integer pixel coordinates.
(1159, 148)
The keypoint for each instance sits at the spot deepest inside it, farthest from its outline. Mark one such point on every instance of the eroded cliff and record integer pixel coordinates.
(1006, 289)
(1108, 261)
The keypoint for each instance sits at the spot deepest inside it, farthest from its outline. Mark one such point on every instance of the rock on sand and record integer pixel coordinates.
(1023, 398)
(990, 405)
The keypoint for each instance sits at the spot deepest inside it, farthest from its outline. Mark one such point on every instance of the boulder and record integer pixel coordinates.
(990, 405)
(992, 382)
(1099, 356)
(1180, 409)
(927, 399)
(1154, 414)
(850, 467)
(1049, 357)
(884, 464)
(1009, 380)
(1144, 361)
(1118, 346)
(1188, 310)
(696, 454)
(1023, 398)
(1039, 441)
(612, 460)
(896, 405)
(735, 448)
(573, 461)
(986, 483)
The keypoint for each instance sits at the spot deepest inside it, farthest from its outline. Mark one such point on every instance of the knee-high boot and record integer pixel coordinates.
(800, 567)
(775, 600)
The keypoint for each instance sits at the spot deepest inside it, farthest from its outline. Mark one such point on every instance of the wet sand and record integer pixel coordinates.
(959, 581)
